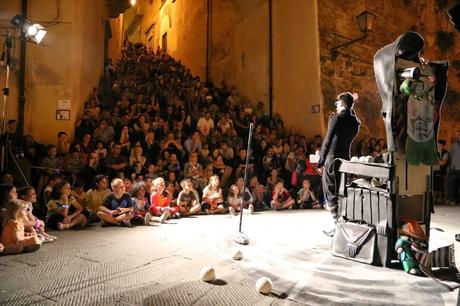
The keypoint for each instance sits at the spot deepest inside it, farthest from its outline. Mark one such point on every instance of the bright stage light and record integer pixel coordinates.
(133, 2)
(33, 31)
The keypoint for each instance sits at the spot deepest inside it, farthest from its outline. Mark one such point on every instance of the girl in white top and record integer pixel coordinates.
(213, 201)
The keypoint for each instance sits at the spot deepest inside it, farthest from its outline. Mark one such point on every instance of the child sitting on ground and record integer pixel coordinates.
(96, 196)
(64, 211)
(213, 201)
(160, 200)
(31, 223)
(281, 199)
(235, 197)
(140, 203)
(14, 239)
(188, 200)
(118, 206)
(258, 192)
(306, 197)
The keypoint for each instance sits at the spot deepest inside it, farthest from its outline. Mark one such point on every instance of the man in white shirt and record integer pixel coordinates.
(205, 124)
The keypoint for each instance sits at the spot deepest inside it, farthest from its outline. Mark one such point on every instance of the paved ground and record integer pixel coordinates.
(160, 265)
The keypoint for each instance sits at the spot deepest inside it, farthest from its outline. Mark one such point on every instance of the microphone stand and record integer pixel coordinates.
(241, 238)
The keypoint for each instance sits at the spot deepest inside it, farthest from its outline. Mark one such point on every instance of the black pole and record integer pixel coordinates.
(22, 74)
(248, 155)
(270, 59)
(208, 38)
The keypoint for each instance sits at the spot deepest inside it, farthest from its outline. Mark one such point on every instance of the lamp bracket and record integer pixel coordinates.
(335, 50)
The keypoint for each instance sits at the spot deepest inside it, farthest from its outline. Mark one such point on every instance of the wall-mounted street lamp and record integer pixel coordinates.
(365, 22)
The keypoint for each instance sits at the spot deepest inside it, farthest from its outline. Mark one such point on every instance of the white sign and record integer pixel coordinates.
(63, 104)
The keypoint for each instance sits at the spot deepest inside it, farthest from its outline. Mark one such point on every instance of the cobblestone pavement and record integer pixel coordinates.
(160, 265)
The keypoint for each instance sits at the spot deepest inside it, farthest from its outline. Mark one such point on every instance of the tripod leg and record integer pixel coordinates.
(19, 168)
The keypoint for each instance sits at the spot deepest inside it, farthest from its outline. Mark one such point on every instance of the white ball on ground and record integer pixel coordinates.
(354, 159)
(207, 274)
(362, 159)
(237, 255)
(264, 285)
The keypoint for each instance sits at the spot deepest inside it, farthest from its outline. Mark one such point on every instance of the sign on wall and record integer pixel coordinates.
(62, 114)
(63, 109)
(315, 109)
(63, 104)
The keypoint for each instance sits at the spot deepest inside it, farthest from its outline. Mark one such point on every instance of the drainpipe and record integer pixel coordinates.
(22, 74)
(208, 38)
(270, 59)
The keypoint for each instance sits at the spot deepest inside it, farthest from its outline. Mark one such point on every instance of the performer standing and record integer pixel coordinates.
(342, 129)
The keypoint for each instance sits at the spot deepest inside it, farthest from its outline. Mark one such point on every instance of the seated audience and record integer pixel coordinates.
(140, 203)
(194, 171)
(193, 143)
(137, 156)
(118, 206)
(32, 224)
(116, 162)
(221, 169)
(306, 197)
(281, 199)
(14, 238)
(259, 193)
(95, 197)
(237, 199)
(62, 144)
(240, 164)
(64, 211)
(160, 200)
(188, 200)
(213, 201)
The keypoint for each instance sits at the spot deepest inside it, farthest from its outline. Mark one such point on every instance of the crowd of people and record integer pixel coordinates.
(155, 142)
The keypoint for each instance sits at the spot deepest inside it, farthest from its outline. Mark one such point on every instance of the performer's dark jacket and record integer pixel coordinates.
(341, 131)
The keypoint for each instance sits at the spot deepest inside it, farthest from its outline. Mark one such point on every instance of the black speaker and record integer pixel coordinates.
(454, 14)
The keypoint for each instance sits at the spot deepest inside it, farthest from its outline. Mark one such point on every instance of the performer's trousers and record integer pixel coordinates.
(331, 183)
(453, 186)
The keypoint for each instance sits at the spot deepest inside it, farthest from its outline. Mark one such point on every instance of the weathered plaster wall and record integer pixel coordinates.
(353, 71)
(185, 23)
(116, 42)
(239, 49)
(296, 65)
(240, 46)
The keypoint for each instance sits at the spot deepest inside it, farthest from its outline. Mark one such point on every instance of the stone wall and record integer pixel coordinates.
(353, 71)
